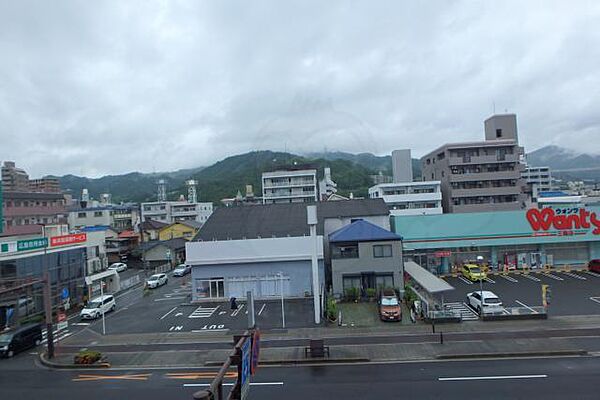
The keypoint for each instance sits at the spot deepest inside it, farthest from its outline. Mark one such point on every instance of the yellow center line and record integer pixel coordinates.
(89, 377)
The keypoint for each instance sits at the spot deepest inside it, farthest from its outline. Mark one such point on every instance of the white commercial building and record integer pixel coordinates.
(290, 186)
(172, 211)
(410, 198)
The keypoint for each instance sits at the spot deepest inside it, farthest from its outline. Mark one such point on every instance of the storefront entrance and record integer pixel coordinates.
(210, 288)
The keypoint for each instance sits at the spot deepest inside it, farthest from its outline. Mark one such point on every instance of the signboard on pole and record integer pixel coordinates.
(64, 293)
(62, 325)
(68, 239)
(246, 364)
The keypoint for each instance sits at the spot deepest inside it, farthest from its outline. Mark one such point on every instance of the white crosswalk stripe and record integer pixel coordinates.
(531, 277)
(465, 312)
(57, 335)
(203, 312)
(509, 278)
(572, 275)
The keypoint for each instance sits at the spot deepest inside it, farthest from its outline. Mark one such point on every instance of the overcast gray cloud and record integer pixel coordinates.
(109, 87)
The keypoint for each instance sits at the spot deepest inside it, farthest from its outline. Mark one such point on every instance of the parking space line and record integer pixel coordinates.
(468, 282)
(509, 278)
(583, 278)
(169, 298)
(557, 278)
(172, 309)
(236, 312)
(592, 273)
(531, 277)
(489, 280)
(595, 299)
(203, 312)
(526, 306)
(262, 308)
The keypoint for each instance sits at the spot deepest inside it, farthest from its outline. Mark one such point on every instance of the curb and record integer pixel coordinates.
(301, 361)
(54, 365)
(551, 353)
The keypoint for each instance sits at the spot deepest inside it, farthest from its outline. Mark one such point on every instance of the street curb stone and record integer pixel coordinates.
(44, 360)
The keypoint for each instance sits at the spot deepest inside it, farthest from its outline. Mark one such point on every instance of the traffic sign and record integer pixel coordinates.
(255, 351)
(246, 361)
(62, 325)
(65, 293)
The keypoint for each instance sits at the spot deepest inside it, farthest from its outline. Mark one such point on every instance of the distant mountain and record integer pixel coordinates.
(566, 164)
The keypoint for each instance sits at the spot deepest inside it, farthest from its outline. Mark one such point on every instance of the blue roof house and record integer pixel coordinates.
(365, 256)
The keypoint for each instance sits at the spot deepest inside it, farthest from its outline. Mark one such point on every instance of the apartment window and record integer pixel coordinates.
(443, 174)
(498, 133)
(349, 251)
(97, 214)
(81, 215)
(382, 250)
(432, 176)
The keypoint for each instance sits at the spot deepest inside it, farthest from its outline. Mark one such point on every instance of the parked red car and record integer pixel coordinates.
(594, 265)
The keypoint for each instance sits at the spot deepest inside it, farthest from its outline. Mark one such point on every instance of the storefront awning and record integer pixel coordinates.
(427, 280)
(101, 275)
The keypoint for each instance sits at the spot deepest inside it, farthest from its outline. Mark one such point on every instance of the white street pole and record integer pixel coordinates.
(282, 307)
(101, 306)
(311, 213)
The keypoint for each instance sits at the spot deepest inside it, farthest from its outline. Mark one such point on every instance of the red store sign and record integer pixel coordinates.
(68, 239)
(563, 219)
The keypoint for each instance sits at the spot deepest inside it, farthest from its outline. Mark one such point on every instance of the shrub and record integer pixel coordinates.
(409, 295)
(331, 309)
(352, 294)
(371, 293)
(87, 357)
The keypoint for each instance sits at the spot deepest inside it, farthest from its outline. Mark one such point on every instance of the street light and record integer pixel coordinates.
(282, 307)
(101, 306)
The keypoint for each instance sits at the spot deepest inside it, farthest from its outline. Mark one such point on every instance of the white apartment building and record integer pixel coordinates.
(410, 198)
(118, 217)
(172, 211)
(539, 179)
(290, 186)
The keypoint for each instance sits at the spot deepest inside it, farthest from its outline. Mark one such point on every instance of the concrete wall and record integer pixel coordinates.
(367, 263)
(297, 273)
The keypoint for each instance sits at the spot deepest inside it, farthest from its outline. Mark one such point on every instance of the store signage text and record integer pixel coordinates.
(549, 218)
(68, 239)
(32, 244)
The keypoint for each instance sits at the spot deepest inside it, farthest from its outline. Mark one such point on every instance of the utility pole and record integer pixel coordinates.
(282, 307)
(311, 216)
(48, 300)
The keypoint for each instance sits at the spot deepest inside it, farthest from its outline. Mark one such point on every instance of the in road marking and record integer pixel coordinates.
(526, 306)
(558, 278)
(477, 378)
(172, 309)
(533, 278)
(572, 275)
(262, 308)
(509, 278)
(231, 384)
(175, 328)
(468, 282)
(89, 377)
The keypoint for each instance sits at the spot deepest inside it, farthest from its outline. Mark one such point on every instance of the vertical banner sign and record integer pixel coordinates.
(246, 365)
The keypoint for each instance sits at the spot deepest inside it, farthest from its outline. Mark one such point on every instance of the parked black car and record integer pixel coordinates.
(19, 339)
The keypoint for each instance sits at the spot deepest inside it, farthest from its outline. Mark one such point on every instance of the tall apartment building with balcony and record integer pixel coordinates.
(14, 179)
(539, 180)
(172, 211)
(290, 186)
(480, 176)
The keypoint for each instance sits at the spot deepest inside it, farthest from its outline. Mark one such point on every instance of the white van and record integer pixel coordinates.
(98, 306)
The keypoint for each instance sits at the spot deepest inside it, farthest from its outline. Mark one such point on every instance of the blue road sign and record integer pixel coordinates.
(9, 314)
(246, 366)
(65, 293)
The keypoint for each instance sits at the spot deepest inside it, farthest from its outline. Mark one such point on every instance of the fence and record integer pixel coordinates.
(129, 282)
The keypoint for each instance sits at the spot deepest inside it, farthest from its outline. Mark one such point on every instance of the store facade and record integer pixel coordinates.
(532, 238)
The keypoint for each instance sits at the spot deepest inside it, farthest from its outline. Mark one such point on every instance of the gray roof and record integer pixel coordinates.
(281, 220)
(428, 281)
(33, 196)
(173, 244)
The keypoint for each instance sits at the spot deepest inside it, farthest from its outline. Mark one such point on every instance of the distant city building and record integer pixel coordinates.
(402, 166)
(173, 211)
(118, 217)
(28, 208)
(47, 184)
(14, 179)
(539, 179)
(410, 198)
(248, 200)
(381, 178)
(290, 186)
(327, 187)
(480, 176)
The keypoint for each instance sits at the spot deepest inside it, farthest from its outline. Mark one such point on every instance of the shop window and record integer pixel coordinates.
(384, 281)
(383, 250)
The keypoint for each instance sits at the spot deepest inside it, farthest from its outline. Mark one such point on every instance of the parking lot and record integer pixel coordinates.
(573, 293)
(167, 309)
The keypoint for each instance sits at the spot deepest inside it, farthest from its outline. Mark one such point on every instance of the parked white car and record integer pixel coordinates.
(119, 267)
(98, 306)
(157, 280)
(489, 304)
(182, 270)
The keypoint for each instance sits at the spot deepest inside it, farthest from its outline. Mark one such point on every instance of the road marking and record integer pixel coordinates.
(210, 330)
(57, 335)
(81, 323)
(179, 314)
(526, 306)
(583, 278)
(203, 312)
(262, 308)
(468, 282)
(592, 273)
(596, 299)
(489, 280)
(89, 377)
(175, 328)
(222, 312)
(231, 384)
(170, 298)
(199, 375)
(236, 312)
(558, 278)
(509, 278)
(465, 312)
(533, 278)
(475, 378)
(172, 309)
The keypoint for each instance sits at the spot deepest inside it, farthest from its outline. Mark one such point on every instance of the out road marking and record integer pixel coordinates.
(526, 306)
(533, 278)
(476, 378)
(172, 309)
(262, 308)
(89, 377)
(468, 282)
(231, 384)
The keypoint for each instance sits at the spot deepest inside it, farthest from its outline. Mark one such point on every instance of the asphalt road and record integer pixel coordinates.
(556, 378)
(573, 293)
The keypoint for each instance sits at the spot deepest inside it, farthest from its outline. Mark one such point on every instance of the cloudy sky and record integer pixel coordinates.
(94, 88)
